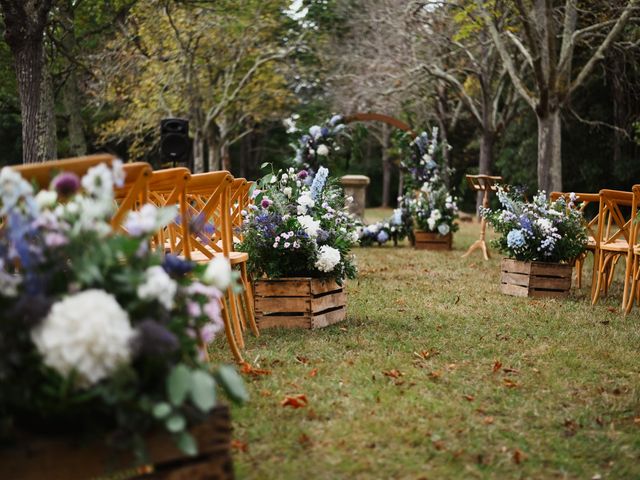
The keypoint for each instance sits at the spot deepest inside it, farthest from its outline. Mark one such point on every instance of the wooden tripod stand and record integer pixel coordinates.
(486, 184)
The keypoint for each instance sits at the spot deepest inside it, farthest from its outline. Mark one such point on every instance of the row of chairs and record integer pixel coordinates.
(210, 209)
(612, 235)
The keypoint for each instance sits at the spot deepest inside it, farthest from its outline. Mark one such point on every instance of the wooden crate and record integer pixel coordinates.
(432, 241)
(535, 279)
(64, 458)
(299, 302)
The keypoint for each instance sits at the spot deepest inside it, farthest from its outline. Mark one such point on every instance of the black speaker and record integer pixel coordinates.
(175, 143)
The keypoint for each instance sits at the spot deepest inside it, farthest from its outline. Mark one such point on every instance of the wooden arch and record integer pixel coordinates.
(378, 117)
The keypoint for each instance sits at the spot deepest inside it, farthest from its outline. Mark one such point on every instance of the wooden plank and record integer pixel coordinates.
(282, 321)
(283, 304)
(68, 458)
(551, 270)
(324, 285)
(548, 293)
(514, 290)
(521, 279)
(299, 287)
(550, 283)
(515, 266)
(325, 302)
(328, 318)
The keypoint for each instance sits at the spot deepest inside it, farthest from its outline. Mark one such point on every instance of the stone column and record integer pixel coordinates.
(356, 187)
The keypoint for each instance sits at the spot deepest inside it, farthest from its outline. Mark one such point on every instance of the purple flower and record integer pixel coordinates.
(323, 235)
(176, 267)
(525, 223)
(302, 174)
(154, 339)
(324, 131)
(66, 184)
(266, 203)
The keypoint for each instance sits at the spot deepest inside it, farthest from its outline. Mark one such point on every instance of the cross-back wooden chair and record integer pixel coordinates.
(583, 202)
(168, 188)
(132, 194)
(632, 275)
(211, 235)
(615, 215)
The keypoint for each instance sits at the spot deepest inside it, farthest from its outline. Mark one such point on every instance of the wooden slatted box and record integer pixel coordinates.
(39, 457)
(535, 279)
(299, 302)
(432, 241)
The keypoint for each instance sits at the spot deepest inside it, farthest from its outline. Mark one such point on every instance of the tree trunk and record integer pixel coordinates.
(386, 167)
(198, 151)
(46, 138)
(213, 147)
(72, 101)
(487, 141)
(549, 151)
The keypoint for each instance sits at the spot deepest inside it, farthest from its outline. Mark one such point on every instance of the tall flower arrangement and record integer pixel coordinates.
(97, 330)
(299, 226)
(540, 230)
(320, 144)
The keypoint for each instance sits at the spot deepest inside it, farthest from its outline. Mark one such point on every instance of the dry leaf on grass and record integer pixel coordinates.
(509, 383)
(239, 446)
(247, 369)
(295, 401)
(518, 456)
(469, 398)
(393, 373)
(497, 366)
(313, 372)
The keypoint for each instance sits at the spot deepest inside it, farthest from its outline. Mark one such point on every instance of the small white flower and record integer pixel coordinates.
(328, 258)
(218, 273)
(87, 333)
(46, 198)
(322, 150)
(315, 132)
(287, 191)
(158, 285)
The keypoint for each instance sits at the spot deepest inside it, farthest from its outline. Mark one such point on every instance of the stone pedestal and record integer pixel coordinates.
(356, 187)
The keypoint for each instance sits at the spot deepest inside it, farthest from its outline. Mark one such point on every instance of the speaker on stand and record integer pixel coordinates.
(175, 144)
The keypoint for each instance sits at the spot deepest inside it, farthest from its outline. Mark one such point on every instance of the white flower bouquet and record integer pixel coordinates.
(99, 332)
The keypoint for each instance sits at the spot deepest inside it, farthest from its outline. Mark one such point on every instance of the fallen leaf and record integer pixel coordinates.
(487, 420)
(457, 300)
(570, 427)
(239, 446)
(313, 372)
(497, 366)
(439, 445)
(469, 398)
(510, 370)
(509, 383)
(301, 359)
(265, 393)
(255, 372)
(343, 329)
(612, 309)
(304, 440)
(393, 373)
(295, 401)
(518, 456)
(435, 375)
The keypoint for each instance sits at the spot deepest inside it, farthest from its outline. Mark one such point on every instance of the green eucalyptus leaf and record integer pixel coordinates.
(203, 390)
(232, 383)
(161, 410)
(265, 164)
(175, 423)
(187, 444)
(178, 384)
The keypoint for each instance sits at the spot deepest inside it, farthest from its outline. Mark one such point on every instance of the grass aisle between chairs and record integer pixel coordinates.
(435, 374)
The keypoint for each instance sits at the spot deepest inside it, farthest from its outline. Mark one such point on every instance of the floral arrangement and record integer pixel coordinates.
(424, 159)
(394, 228)
(540, 230)
(99, 332)
(433, 208)
(299, 226)
(319, 145)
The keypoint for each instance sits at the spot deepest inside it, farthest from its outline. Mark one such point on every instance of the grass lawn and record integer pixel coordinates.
(436, 375)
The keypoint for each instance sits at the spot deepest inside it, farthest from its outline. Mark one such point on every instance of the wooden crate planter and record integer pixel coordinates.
(63, 458)
(298, 302)
(432, 241)
(535, 279)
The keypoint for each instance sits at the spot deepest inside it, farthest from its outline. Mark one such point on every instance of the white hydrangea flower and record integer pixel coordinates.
(12, 188)
(304, 203)
(46, 198)
(322, 150)
(149, 219)
(218, 273)
(287, 191)
(99, 181)
(87, 333)
(315, 132)
(443, 229)
(158, 285)
(309, 225)
(328, 258)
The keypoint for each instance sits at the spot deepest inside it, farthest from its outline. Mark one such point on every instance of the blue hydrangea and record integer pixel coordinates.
(515, 239)
(318, 182)
(382, 236)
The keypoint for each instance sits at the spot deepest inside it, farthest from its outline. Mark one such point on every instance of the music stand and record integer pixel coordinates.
(486, 184)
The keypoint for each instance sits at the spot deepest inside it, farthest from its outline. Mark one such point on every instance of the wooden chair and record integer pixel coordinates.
(582, 201)
(615, 216)
(168, 188)
(632, 274)
(132, 194)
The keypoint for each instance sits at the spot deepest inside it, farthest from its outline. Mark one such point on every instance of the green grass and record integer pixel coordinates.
(572, 411)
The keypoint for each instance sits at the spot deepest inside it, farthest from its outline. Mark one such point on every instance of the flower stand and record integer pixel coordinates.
(38, 457)
(535, 279)
(432, 240)
(299, 302)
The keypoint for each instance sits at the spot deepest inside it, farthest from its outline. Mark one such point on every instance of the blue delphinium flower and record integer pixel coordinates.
(318, 182)
(382, 237)
(335, 120)
(515, 239)
(175, 266)
(526, 224)
(322, 235)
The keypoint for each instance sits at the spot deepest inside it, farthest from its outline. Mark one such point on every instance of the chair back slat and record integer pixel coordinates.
(615, 217)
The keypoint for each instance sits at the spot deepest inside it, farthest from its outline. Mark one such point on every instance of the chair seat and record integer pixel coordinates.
(235, 258)
(591, 243)
(619, 246)
(636, 250)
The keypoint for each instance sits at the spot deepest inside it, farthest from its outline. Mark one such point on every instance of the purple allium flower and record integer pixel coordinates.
(176, 267)
(266, 203)
(66, 184)
(302, 174)
(154, 339)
